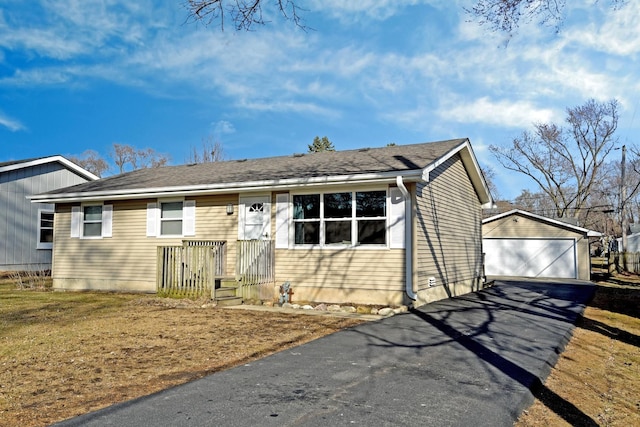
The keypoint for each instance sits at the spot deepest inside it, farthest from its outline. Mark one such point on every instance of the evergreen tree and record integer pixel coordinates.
(321, 144)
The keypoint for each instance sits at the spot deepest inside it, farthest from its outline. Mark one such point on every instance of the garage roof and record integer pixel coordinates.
(589, 233)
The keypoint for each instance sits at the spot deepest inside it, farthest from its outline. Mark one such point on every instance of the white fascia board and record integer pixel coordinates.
(66, 163)
(236, 187)
(473, 169)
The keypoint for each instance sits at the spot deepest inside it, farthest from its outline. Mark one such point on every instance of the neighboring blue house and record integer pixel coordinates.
(26, 229)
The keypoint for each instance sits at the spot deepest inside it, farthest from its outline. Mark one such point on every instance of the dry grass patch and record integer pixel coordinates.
(597, 378)
(65, 354)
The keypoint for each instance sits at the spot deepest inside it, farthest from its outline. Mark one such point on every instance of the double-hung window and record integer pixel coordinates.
(45, 229)
(306, 219)
(371, 217)
(171, 218)
(91, 221)
(338, 213)
(340, 218)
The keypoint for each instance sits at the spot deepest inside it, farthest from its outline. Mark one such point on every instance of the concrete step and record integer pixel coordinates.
(224, 292)
(226, 282)
(226, 301)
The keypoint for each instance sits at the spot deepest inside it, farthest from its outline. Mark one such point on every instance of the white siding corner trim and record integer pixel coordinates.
(396, 219)
(282, 221)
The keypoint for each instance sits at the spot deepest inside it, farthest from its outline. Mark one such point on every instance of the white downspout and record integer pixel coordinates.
(408, 239)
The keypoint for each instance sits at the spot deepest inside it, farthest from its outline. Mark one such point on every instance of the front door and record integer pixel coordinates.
(255, 218)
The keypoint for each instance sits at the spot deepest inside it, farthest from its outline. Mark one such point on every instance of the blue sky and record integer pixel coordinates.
(84, 74)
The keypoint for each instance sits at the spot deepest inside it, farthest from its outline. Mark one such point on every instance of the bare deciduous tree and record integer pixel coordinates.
(500, 15)
(124, 155)
(243, 13)
(535, 202)
(489, 177)
(121, 155)
(566, 163)
(506, 15)
(91, 161)
(212, 151)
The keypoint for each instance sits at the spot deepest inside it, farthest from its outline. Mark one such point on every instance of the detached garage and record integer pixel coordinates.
(522, 244)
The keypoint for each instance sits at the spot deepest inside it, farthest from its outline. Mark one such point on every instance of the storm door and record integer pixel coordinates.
(255, 218)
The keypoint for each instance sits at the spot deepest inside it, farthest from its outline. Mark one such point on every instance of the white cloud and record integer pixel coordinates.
(376, 9)
(46, 43)
(223, 127)
(505, 113)
(37, 77)
(467, 78)
(289, 106)
(12, 124)
(619, 33)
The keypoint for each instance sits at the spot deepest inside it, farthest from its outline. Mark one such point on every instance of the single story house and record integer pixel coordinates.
(393, 225)
(523, 244)
(26, 229)
(633, 240)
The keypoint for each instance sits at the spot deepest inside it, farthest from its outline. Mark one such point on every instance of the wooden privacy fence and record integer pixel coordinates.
(627, 261)
(616, 261)
(255, 265)
(190, 270)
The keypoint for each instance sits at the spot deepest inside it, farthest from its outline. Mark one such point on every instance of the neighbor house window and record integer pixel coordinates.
(340, 218)
(45, 229)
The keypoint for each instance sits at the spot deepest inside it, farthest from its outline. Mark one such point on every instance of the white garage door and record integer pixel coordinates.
(530, 257)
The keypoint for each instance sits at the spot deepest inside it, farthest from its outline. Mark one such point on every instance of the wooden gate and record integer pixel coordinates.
(255, 267)
(190, 270)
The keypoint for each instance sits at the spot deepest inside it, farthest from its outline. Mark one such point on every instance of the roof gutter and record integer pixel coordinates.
(408, 239)
(240, 187)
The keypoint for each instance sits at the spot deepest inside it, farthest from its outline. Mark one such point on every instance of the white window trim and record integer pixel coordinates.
(353, 219)
(106, 222)
(82, 221)
(39, 244)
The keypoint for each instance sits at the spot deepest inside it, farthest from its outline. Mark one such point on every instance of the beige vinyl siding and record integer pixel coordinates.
(354, 275)
(525, 227)
(213, 223)
(127, 260)
(340, 276)
(519, 226)
(448, 234)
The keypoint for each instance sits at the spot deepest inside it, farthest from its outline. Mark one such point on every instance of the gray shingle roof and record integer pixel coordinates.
(400, 158)
(17, 162)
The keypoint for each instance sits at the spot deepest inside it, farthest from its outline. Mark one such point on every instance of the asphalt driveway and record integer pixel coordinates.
(466, 361)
